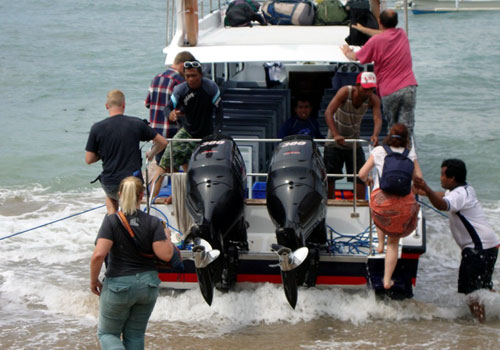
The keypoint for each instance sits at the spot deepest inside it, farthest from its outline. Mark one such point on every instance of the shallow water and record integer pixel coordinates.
(58, 60)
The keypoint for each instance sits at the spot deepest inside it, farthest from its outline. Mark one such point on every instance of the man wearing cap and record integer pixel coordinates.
(343, 116)
(397, 86)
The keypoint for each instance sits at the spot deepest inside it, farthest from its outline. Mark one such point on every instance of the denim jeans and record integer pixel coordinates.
(124, 308)
(399, 107)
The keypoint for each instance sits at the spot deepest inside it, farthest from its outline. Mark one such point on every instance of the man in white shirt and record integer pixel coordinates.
(471, 231)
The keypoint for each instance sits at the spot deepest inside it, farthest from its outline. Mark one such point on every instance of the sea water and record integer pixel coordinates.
(57, 61)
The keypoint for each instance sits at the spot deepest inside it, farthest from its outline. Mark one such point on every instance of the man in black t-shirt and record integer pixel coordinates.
(192, 104)
(115, 140)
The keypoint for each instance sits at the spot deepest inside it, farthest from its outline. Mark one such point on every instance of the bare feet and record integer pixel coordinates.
(380, 248)
(388, 284)
(477, 311)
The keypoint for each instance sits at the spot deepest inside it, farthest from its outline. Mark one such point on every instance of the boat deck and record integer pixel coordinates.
(283, 43)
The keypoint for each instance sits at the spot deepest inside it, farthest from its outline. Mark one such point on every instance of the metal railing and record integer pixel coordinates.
(355, 142)
(257, 174)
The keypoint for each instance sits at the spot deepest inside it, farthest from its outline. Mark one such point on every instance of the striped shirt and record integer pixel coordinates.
(160, 90)
(348, 120)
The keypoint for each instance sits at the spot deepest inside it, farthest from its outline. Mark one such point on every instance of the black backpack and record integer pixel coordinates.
(397, 172)
(359, 12)
(240, 13)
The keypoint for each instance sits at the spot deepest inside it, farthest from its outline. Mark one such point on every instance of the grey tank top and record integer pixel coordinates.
(348, 120)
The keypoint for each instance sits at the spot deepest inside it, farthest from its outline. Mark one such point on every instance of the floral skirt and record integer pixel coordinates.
(395, 215)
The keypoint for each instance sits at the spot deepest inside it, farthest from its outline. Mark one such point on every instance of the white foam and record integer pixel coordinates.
(47, 270)
(267, 304)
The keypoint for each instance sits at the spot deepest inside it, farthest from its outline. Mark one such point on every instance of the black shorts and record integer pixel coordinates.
(476, 269)
(111, 191)
(335, 158)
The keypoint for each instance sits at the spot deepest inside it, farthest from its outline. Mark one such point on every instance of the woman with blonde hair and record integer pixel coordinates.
(395, 215)
(129, 290)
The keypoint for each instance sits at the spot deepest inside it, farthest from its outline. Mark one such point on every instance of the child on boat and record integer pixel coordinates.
(301, 122)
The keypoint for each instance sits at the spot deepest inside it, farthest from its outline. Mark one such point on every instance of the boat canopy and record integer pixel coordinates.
(265, 44)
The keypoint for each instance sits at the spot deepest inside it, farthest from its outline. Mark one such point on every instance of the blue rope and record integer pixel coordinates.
(353, 244)
(431, 207)
(49, 223)
(350, 244)
(166, 220)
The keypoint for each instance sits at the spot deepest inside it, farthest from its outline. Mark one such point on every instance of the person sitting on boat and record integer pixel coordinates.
(160, 90)
(394, 215)
(301, 122)
(115, 140)
(470, 229)
(397, 86)
(129, 291)
(192, 104)
(343, 116)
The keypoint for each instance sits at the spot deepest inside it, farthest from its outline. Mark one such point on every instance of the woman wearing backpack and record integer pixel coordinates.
(394, 208)
(129, 291)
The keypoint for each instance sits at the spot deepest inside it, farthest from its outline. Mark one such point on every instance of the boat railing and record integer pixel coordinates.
(355, 142)
(253, 175)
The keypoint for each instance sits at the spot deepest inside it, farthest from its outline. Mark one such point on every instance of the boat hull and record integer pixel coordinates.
(334, 271)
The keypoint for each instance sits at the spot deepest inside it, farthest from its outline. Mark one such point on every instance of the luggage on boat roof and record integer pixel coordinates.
(287, 12)
(330, 12)
(241, 13)
(359, 12)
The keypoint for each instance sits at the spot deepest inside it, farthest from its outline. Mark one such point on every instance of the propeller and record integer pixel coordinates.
(288, 262)
(203, 256)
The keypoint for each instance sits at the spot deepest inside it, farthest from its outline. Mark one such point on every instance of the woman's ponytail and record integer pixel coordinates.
(130, 191)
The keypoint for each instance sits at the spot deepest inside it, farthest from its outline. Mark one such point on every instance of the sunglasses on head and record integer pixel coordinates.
(192, 64)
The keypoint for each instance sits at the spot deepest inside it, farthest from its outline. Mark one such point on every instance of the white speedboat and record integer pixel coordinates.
(441, 6)
(259, 217)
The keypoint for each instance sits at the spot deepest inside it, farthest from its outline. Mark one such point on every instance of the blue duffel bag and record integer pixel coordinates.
(288, 12)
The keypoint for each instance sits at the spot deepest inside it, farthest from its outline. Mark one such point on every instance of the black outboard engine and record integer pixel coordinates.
(216, 180)
(296, 202)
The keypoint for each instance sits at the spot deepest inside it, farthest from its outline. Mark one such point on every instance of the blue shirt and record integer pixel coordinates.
(297, 126)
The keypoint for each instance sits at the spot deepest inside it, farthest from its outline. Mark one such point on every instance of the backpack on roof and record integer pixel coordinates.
(241, 13)
(359, 12)
(397, 172)
(330, 12)
(296, 12)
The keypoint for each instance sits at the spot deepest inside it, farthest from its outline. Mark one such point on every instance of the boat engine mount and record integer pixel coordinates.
(215, 191)
(296, 202)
